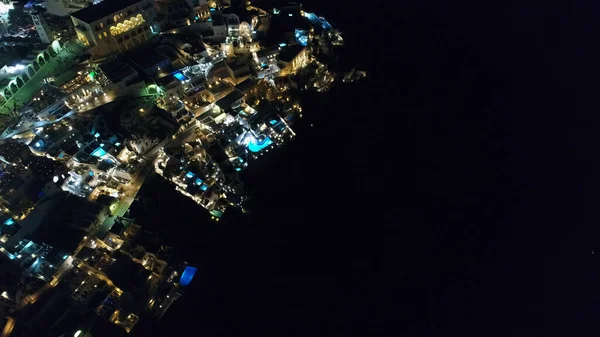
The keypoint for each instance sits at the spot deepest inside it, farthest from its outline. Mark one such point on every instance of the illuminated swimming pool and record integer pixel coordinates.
(316, 20)
(98, 152)
(178, 75)
(187, 275)
(256, 145)
(216, 213)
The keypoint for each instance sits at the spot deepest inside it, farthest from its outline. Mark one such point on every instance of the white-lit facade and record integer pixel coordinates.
(300, 61)
(119, 31)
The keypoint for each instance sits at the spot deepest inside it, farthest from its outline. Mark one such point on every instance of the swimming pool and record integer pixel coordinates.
(178, 75)
(187, 276)
(256, 145)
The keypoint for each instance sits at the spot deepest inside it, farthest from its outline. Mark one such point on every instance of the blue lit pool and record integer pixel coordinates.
(187, 275)
(178, 75)
(98, 152)
(301, 36)
(256, 145)
(216, 213)
(315, 20)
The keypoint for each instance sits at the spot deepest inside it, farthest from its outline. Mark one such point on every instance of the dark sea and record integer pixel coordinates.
(439, 197)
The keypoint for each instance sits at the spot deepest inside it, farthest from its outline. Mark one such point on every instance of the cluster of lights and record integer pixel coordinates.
(127, 25)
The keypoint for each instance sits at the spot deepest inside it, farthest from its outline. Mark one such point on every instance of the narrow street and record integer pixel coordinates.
(127, 199)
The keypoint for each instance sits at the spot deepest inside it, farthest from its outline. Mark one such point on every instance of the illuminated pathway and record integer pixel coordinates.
(127, 199)
(28, 126)
(8, 328)
(52, 67)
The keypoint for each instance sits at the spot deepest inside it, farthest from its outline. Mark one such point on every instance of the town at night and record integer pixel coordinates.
(298, 168)
(95, 97)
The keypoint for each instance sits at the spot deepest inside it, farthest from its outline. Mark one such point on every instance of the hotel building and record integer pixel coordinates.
(114, 26)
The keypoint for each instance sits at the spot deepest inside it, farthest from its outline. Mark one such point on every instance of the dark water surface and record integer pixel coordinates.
(439, 198)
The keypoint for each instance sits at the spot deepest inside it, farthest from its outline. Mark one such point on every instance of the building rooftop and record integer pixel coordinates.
(282, 24)
(239, 67)
(116, 70)
(291, 8)
(50, 224)
(228, 100)
(126, 273)
(287, 54)
(146, 58)
(245, 85)
(268, 51)
(217, 19)
(187, 42)
(263, 24)
(101, 10)
(168, 82)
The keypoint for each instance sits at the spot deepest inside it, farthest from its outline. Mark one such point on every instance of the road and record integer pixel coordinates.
(183, 136)
(64, 267)
(52, 67)
(127, 199)
(179, 137)
(8, 328)
(131, 191)
(129, 195)
(30, 299)
(100, 275)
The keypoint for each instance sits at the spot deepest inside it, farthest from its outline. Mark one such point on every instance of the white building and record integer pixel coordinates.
(114, 26)
(42, 28)
(66, 7)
